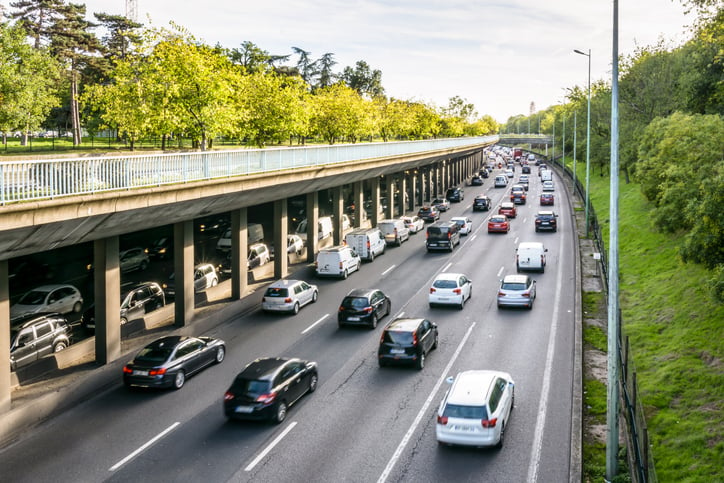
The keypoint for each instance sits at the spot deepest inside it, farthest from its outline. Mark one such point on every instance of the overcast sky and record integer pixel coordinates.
(501, 55)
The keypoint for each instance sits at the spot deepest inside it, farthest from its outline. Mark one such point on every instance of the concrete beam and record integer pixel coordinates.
(312, 210)
(337, 210)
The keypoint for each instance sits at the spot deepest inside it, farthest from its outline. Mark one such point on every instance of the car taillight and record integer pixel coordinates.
(501, 294)
(228, 396)
(341, 309)
(157, 372)
(316, 264)
(537, 222)
(542, 260)
(341, 266)
(457, 291)
(442, 420)
(127, 370)
(367, 310)
(489, 423)
(368, 244)
(517, 259)
(414, 338)
(266, 398)
(432, 290)
(449, 235)
(288, 300)
(526, 294)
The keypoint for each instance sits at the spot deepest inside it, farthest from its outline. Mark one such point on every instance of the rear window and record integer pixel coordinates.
(276, 292)
(465, 412)
(513, 286)
(354, 302)
(154, 354)
(243, 385)
(397, 337)
(445, 284)
(437, 231)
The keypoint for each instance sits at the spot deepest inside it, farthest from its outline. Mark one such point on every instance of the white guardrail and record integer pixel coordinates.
(48, 179)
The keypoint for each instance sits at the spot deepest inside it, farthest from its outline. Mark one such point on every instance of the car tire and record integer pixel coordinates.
(536, 229)
(373, 323)
(389, 308)
(434, 344)
(462, 303)
(313, 380)
(143, 266)
(372, 256)
(179, 379)
(530, 306)
(220, 354)
(124, 321)
(345, 274)
(214, 282)
(420, 363)
(315, 296)
(501, 441)
(281, 413)
(77, 306)
(295, 309)
(59, 346)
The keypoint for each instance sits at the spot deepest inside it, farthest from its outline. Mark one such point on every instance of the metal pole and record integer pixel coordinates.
(564, 142)
(575, 177)
(553, 156)
(613, 306)
(588, 132)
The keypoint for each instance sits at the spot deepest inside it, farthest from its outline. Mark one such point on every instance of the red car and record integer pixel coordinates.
(547, 199)
(508, 209)
(498, 224)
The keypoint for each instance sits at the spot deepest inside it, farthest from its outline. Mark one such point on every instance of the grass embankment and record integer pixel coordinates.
(676, 333)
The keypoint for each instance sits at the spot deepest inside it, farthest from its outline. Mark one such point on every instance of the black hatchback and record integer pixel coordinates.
(481, 203)
(455, 195)
(407, 341)
(363, 306)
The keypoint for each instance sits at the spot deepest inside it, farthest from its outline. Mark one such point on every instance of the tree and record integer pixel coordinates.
(253, 58)
(363, 79)
(37, 18)
(122, 36)
(306, 66)
(339, 112)
(326, 76)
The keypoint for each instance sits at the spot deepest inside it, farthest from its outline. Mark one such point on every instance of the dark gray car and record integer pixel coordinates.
(33, 336)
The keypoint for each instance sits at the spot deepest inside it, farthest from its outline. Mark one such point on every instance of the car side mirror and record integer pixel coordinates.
(450, 379)
(545, 249)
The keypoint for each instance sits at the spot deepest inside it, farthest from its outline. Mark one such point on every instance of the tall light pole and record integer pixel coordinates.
(564, 142)
(574, 149)
(588, 131)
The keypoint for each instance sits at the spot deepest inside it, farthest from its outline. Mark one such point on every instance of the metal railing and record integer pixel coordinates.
(43, 179)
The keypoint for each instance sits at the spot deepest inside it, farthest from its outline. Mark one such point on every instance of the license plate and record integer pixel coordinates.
(397, 351)
(463, 428)
(442, 298)
(140, 373)
(244, 409)
(353, 319)
(433, 244)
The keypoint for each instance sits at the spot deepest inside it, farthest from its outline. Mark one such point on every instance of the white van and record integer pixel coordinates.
(324, 228)
(395, 231)
(367, 242)
(530, 256)
(337, 262)
(546, 175)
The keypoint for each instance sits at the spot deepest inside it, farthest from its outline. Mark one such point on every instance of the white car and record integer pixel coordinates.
(476, 409)
(413, 223)
(288, 296)
(509, 173)
(548, 186)
(48, 298)
(465, 224)
(450, 288)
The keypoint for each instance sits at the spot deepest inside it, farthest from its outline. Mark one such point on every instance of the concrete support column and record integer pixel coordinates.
(359, 207)
(390, 182)
(280, 238)
(5, 379)
(375, 193)
(312, 221)
(107, 290)
(402, 200)
(239, 254)
(430, 188)
(437, 181)
(183, 264)
(337, 210)
(421, 184)
(413, 190)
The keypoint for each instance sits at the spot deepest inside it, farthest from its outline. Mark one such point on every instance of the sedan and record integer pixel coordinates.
(288, 296)
(509, 173)
(498, 224)
(524, 181)
(508, 209)
(169, 361)
(450, 289)
(547, 199)
(465, 224)
(548, 186)
(133, 259)
(516, 291)
(62, 299)
(441, 204)
(363, 307)
(413, 223)
(476, 181)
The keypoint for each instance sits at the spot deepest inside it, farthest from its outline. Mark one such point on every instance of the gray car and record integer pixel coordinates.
(33, 336)
(516, 291)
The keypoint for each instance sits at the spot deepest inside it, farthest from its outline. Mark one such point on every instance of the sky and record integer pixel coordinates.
(499, 55)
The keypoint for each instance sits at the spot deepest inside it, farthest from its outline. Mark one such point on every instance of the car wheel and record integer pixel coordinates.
(462, 302)
(345, 274)
(179, 380)
(517, 268)
(421, 361)
(389, 308)
(220, 354)
(281, 412)
(372, 256)
(124, 321)
(295, 309)
(59, 347)
(214, 282)
(536, 229)
(143, 265)
(434, 344)
(315, 296)
(77, 306)
(313, 383)
(373, 323)
(530, 306)
(502, 436)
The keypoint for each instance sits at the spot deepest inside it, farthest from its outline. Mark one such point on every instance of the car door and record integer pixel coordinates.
(295, 380)
(377, 302)
(464, 285)
(24, 352)
(43, 339)
(424, 333)
(307, 292)
(199, 280)
(55, 302)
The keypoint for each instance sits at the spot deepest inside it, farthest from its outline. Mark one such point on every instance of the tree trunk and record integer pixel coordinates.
(75, 116)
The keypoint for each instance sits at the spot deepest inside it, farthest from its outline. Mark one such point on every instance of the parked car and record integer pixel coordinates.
(516, 291)
(442, 204)
(442, 235)
(450, 289)
(205, 276)
(363, 307)
(288, 296)
(501, 181)
(518, 195)
(137, 299)
(429, 213)
(394, 230)
(530, 256)
(508, 209)
(413, 223)
(407, 341)
(162, 248)
(62, 299)
(455, 195)
(169, 361)
(267, 387)
(481, 203)
(548, 186)
(133, 259)
(476, 409)
(33, 336)
(258, 255)
(546, 220)
(465, 224)
(547, 199)
(498, 224)
(337, 262)
(211, 225)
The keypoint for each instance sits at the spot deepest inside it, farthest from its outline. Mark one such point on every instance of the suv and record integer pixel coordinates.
(517, 194)
(455, 195)
(137, 299)
(476, 408)
(407, 341)
(429, 213)
(33, 336)
(205, 276)
(481, 203)
(546, 220)
(442, 235)
(516, 291)
(363, 306)
(288, 296)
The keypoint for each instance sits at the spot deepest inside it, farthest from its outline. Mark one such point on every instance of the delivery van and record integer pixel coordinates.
(337, 262)
(367, 242)
(530, 256)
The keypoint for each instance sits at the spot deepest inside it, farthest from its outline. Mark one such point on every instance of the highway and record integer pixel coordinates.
(363, 423)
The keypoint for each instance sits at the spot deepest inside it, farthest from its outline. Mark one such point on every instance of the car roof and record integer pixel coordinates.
(171, 340)
(471, 388)
(479, 197)
(545, 213)
(361, 292)
(498, 216)
(284, 283)
(404, 325)
(449, 276)
(25, 320)
(336, 249)
(515, 278)
(507, 204)
(201, 265)
(461, 218)
(263, 368)
(530, 245)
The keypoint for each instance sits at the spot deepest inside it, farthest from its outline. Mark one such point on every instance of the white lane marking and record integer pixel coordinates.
(516, 240)
(388, 270)
(312, 326)
(543, 404)
(446, 267)
(500, 272)
(400, 314)
(266, 451)
(423, 409)
(143, 448)
(473, 237)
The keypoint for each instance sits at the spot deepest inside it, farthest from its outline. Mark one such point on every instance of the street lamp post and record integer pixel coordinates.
(588, 131)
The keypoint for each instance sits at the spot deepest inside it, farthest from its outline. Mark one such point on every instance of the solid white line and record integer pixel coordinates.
(473, 237)
(446, 267)
(423, 409)
(142, 448)
(388, 270)
(270, 447)
(312, 326)
(399, 315)
(545, 389)
(500, 272)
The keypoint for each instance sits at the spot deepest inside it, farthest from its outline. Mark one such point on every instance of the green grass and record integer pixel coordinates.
(676, 331)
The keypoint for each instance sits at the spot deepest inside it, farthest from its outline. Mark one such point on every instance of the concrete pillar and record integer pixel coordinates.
(437, 181)
(337, 210)
(413, 190)
(312, 210)
(402, 200)
(280, 238)
(5, 379)
(390, 183)
(239, 254)
(183, 264)
(375, 194)
(107, 289)
(359, 208)
(421, 184)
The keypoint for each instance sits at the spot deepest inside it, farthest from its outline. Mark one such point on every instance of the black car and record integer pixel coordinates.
(429, 213)
(525, 169)
(137, 299)
(546, 220)
(455, 195)
(476, 181)
(33, 336)
(407, 341)
(169, 361)
(162, 248)
(481, 203)
(268, 386)
(363, 307)
(483, 173)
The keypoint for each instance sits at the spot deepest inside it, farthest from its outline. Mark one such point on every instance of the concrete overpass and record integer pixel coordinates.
(522, 139)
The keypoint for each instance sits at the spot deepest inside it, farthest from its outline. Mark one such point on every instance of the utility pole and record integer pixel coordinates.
(132, 10)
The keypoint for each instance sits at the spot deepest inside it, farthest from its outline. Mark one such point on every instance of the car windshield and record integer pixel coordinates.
(460, 222)
(513, 286)
(34, 297)
(397, 337)
(445, 284)
(154, 354)
(253, 386)
(276, 292)
(465, 412)
(160, 242)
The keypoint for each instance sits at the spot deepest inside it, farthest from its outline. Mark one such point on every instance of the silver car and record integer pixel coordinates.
(133, 259)
(288, 296)
(516, 291)
(49, 298)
